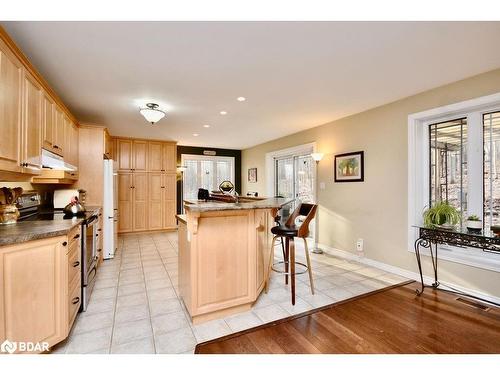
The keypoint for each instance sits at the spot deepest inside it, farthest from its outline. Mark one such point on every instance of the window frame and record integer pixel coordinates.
(419, 176)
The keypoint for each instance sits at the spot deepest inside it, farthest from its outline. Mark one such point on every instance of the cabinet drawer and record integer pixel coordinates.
(74, 263)
(74, 300)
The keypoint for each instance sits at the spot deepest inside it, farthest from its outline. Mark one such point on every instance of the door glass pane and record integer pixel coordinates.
(224, 172)
(491, 168)
(285, 177)
(305, 179)
(448, 163)
(206, 177)
(190, 179)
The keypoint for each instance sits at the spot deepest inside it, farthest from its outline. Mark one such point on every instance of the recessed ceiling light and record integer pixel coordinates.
(195, 134)
(223, 113)
(241, 98)
(206, 126)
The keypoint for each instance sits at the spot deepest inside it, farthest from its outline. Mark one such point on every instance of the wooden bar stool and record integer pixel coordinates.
(288, 232)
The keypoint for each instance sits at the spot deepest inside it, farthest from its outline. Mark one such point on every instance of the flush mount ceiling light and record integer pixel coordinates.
(152, 113)
(206, 126)
(223, 113)
(241, 98)
(195, 134)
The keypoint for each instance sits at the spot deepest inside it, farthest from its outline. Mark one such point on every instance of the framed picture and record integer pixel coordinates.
(349, 167)
(252, 174)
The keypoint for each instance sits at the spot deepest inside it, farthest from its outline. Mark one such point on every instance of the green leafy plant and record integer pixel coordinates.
(441, 213)
(474, 218)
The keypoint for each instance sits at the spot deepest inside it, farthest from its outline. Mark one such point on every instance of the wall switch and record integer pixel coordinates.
(359, 244)
(322, 186)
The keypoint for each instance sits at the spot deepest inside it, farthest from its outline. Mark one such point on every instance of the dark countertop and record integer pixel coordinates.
(24, 231)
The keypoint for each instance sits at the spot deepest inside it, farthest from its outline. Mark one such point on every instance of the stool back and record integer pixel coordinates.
(305, 209)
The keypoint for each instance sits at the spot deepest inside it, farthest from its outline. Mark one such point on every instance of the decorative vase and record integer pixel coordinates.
(474, 225)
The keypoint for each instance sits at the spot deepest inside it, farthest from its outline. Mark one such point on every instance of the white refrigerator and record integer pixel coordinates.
(110, 210)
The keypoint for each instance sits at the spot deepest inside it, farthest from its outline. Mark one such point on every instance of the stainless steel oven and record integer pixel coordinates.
(89, 258)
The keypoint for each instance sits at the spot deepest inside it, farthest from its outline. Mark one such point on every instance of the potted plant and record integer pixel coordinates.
(441, 215)
(474, 223)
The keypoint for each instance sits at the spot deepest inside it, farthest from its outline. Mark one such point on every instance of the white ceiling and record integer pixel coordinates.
(295, 75)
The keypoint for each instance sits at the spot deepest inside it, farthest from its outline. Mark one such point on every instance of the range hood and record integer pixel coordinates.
(55, 170)
(56, 162)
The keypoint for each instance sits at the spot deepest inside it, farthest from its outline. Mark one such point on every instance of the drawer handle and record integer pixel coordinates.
(76, 264)
(64, 243)
(75, 300)
(76, 236)
(99, 250)
(56, 146)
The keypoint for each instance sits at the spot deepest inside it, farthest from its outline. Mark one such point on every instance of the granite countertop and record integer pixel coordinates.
(24, 231)
(202, 206)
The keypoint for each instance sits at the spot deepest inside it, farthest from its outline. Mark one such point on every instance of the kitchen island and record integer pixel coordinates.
(223, 254)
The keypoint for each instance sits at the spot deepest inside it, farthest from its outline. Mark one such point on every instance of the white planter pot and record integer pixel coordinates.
(474, 224)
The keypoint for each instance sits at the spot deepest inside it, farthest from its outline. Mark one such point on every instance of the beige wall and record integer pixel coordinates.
(376, 210)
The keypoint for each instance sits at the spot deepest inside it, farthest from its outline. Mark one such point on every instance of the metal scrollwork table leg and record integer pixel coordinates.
(425, 243)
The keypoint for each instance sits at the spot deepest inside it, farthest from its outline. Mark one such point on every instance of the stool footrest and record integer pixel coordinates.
(289, 273)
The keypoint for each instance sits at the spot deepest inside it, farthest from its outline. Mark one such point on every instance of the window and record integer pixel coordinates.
(448, 163)
(491, 135)
(295, 177)
(205, 172)
(454, 156)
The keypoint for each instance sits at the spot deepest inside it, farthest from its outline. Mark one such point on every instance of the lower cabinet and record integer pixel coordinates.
(40, 295)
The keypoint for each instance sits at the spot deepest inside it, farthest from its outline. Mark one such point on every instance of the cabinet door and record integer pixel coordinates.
(140, 199)
(262, 221)
(74, 142)
(34, 296)
(125, 209)
(11, 76)
(108, 145)
(32, 130)
(156, 201)
(48, 117)
(140, 156)
(169, 200)
(155, 156)
(59, 134)
(170, 157)
(124, 157)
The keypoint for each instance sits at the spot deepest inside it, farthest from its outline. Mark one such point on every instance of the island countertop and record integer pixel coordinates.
(247, 204)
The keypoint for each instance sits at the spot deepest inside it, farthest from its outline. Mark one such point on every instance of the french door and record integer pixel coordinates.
(294, 177)
(205, 172)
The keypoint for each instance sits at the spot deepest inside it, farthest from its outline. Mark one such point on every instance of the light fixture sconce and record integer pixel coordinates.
(152, 113)
(317, 156)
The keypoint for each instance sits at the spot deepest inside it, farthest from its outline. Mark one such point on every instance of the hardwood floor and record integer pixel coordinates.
(393, 320)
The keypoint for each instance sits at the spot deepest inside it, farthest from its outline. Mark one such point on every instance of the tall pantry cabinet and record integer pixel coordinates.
(146, 184)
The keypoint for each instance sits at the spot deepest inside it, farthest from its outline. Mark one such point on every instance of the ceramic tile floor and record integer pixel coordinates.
(135, 305)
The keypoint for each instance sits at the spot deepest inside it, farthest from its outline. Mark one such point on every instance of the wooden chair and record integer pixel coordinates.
(289, 231)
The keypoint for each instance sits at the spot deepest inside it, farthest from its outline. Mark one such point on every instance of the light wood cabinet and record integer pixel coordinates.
(140, 201)
(149, 169)
(125, 209)
(31, 147)
(140, 156)
(34, 297)
(48, 117)
(108, 145)
(162, 204)
(124, 157)
(11, 89)
(58, 132)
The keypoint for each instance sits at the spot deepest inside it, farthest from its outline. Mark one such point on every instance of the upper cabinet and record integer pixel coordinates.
(31, 129)
(31, 117)
(137, 155)
(11, 89)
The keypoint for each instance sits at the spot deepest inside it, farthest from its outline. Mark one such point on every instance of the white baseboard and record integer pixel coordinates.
(403, 272)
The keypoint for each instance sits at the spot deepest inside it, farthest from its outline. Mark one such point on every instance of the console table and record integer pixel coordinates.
(432, 237)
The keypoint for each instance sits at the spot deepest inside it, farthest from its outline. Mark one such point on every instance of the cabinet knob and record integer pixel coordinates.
(76, 264)
(76, 236)
(56, 146)
(75, 300)
(64, 243)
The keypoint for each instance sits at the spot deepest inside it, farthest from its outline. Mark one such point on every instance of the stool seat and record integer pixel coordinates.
(285, 231)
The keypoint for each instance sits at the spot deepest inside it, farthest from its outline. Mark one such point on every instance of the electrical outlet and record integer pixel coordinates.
(359, 244)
